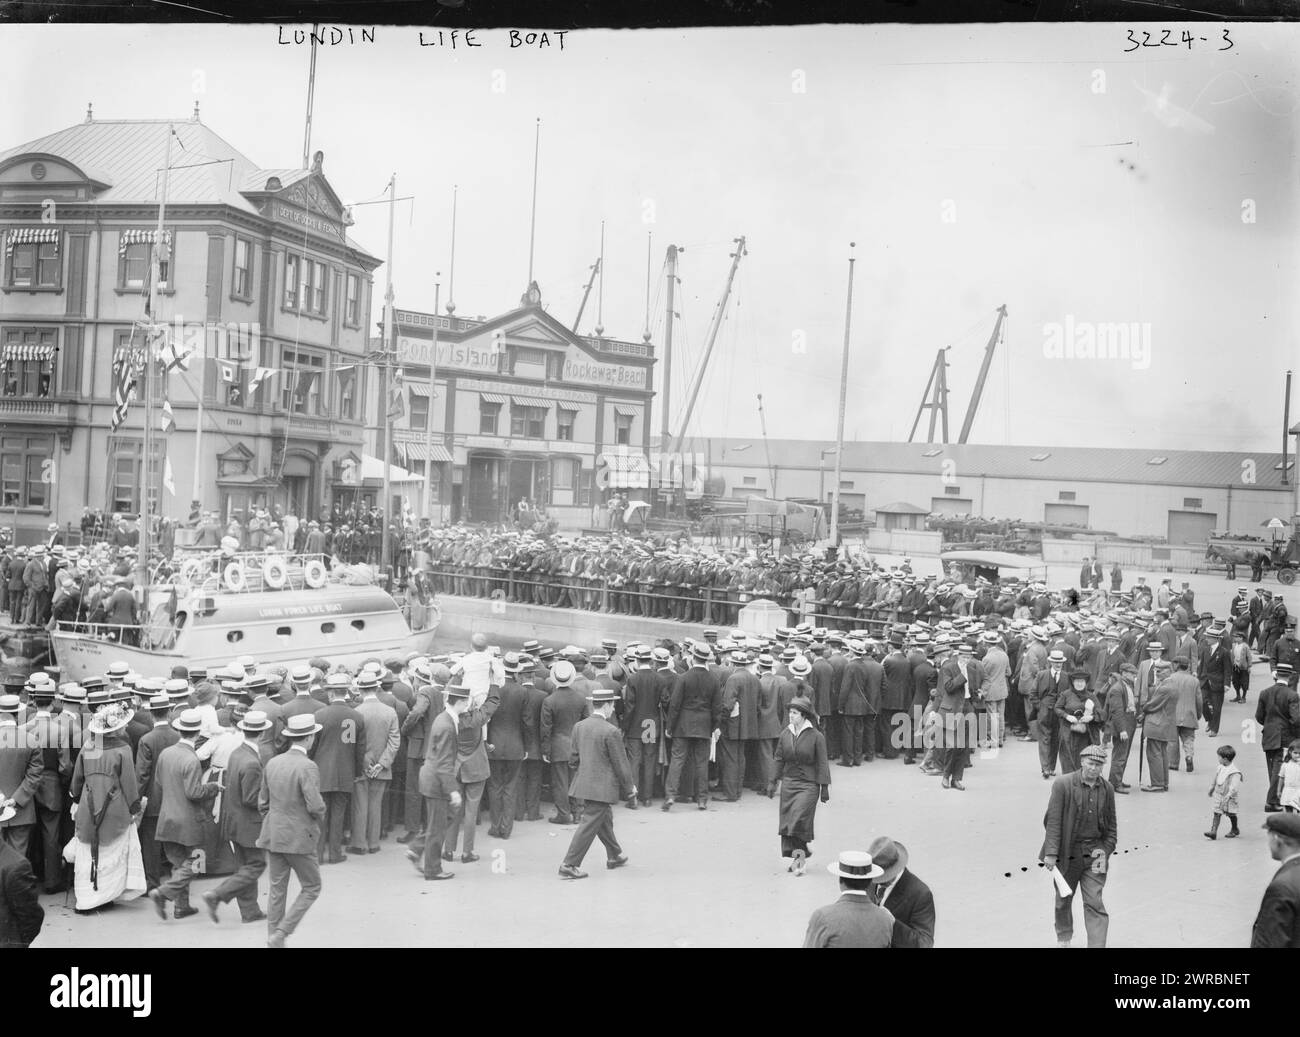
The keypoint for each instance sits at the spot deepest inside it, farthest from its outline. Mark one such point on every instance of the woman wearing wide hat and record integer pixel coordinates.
(803, 774)
(106, 857)
(1080, 713)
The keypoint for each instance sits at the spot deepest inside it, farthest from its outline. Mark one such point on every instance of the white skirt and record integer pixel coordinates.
(120, 875)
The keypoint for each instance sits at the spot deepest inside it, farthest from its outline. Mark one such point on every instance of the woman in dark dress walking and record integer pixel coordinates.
(803, 774)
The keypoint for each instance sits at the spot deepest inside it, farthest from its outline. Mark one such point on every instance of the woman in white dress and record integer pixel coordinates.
(106, 851)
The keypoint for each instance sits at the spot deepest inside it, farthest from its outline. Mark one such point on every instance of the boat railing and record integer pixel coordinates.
(213, 571)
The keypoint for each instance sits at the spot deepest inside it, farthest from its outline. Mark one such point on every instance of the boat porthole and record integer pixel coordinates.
(358, 624)
(327, 628)
(283, 631)
(235, 635)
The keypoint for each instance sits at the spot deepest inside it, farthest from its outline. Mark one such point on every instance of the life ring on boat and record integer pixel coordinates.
(233, 576)
(192, 571)
(275, 573)
(315, 573)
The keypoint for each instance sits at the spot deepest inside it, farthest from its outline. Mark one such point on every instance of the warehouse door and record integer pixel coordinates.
(952, 505)
(1190, 527)
(1066, 514)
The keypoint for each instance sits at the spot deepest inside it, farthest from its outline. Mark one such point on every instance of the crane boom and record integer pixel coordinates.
(762, 421)
(983, 376)
(586, 294)
(708, 348)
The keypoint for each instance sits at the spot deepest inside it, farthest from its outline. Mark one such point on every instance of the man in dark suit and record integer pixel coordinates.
(505, 736)
(1215, 671)
(642, 721)
(1278, 711)
(43, 731)
(854, 920)
(302, 701)
(563, 708)
(427, 704)
(437, 783)
(292, 810)
(694, 713)
(925, 679)
(895, 697)
(185, 799)
(1051, 682)
(21, 914)
(241, 822)
(383, 739)
(1080, 835)
(1278, 922)
(339, 753)
(908, 899)
(826, 701)
(857, 711)
(528, 800)
(740, 699)
(602, 776)
(20, 777)
(472, 772)
(150, 748)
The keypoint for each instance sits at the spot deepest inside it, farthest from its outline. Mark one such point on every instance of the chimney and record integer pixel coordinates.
(195, 116)
(90, 111)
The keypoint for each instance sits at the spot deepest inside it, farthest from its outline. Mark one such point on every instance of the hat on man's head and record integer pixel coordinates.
(701, 653)
(189, 722)
(1285, 825)
(255, 720)
(890, 856)
(855, 864)
(177, 689)
(10, 704)
(800, 667)
(1093, 752)
(1056, 657)
(563, 674)
(300, 725)
(459, 691)
(603, 695)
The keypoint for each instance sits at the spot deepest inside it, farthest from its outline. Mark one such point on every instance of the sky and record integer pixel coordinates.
(1036, 166)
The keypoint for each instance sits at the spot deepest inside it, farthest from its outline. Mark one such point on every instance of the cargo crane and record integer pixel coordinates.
(935, 397)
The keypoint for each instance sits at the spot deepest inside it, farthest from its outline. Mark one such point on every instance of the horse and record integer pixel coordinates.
(1244, 554)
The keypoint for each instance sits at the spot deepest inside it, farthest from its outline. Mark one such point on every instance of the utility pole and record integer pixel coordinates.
(428, 438)
(666, 386)
(839, 433)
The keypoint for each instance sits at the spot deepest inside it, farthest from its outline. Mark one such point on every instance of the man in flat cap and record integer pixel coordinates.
(1080, 835)
(1278, 921)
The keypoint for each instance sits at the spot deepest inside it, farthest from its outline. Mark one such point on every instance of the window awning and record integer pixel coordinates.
(421, 452)
(21, 352)
(28, 235)
(623, 413)
(494, 397)
(531, 401)
(419, 389)
(140, 237)
(625, 471)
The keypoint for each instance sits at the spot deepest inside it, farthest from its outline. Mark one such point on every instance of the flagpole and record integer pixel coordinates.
(198, 424)
(839, 430)
(428, 436)
(532, 222)
(386, 507)
(155, 302)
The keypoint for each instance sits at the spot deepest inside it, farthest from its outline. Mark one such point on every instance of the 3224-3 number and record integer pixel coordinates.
(1166, 40)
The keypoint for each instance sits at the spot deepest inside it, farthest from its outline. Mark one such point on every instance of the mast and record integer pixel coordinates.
(586, 293)
(983, 376)
(532, 222)
(667, 383)
(428, 436)
(311, 95)
(713, 337)
(839, 431)
(387, 506)
(160, 262)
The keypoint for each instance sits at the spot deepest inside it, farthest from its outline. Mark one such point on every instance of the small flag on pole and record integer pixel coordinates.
(260, 375)
(168, 481)
(166, 419)
(227, 371)
(124, 376)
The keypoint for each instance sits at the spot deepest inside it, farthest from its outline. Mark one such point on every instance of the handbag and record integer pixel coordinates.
(1079, 727)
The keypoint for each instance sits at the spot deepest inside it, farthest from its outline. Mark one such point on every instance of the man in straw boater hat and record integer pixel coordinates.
(438, 784)
(151, 746)
(1080, 832)
(908, 899)
(603, 776)
(854, 920)
(241, 822)
(694, 713)
(185, 798)
(292, 810)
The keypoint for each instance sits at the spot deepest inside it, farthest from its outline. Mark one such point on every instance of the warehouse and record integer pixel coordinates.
(1176, 495)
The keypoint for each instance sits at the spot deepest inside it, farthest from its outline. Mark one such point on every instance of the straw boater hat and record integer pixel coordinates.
(300, 725)
(855, 864)
(254, 721)
(190, 722)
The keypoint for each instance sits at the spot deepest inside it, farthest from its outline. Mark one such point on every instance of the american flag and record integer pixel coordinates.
(126, 370)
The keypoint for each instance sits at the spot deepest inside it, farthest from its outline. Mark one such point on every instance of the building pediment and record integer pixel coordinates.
(298, 199)
(41, 171)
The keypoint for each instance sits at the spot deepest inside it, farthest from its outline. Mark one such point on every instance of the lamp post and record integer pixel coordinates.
(821, 474)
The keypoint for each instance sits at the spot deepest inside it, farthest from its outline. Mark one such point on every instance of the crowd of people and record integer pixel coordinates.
(295, 768)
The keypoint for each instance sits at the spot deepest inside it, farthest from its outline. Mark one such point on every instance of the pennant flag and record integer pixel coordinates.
(167, 420)
(172, 354)
(397, 397)
(227, 371)
(259, 376)
(124, 378)
(168, 481)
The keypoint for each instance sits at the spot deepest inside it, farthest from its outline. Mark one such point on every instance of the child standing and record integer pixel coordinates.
(1288, 780)
(1227, 780)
